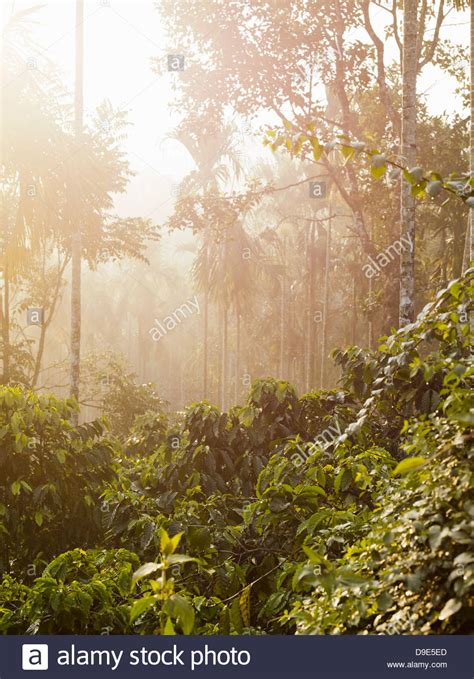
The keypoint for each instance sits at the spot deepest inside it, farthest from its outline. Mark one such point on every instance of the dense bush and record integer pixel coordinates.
(344, 511)
(51, 476)
(78, 592)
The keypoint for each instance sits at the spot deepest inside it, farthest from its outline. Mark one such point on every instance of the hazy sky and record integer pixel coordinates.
(120, 40)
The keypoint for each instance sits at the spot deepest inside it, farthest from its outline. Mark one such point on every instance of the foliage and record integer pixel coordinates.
(78, 592)
(413, 572)
(342, 511)
(109, 381)
(51, 476)
(302, 141)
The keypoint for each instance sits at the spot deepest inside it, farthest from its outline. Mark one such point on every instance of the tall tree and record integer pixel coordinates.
(76, 246)
(29, 104)
(408, 151)
(469, 240)
(327, 265)
(213, 149)
(471, 139)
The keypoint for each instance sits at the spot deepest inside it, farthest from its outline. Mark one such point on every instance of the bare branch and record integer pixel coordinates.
(395, 25)
(381, 75)
(434, 43)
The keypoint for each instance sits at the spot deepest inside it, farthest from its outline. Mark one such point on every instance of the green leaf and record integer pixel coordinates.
(434, 188)
(306, 575)
(318, 149)
(416, 173)
(180, 558)
(348, 152)
(343, 480)
(15, 487)
(165, 546)
(378, 172)
(236, 616)
(353, 580)
(199, 537)
(311, 491)
(147, 535)
(169, 629)
(409, 464)
(140, 606)
(61, 455)
(181, 609)
(168, 545)
(224, 622)
(146, 569)
(384, 601)
(244, 604)
(314, 557)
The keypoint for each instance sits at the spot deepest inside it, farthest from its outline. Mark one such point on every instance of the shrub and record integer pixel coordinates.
(51, 477)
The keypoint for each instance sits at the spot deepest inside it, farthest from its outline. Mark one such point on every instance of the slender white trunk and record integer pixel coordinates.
(225, 330)
(471, 154)
(354, 310)
(5, 317)
(237, 356)
(324, 341)
(281, 370)
(76, 246)
(206, 321)
(307, 323)
(408, 149)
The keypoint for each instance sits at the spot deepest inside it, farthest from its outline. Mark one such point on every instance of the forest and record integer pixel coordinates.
(236, 310)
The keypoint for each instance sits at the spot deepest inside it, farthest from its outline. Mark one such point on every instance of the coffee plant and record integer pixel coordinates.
(347, 511)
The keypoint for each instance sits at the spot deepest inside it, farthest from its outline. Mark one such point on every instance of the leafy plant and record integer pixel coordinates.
(342, 511)
(51, 477)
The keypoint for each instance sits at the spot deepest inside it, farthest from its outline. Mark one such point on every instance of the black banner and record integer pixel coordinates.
(318, 657)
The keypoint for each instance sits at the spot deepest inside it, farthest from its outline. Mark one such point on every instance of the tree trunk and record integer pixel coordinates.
(354, 310)
(408, 151)
(224, 357)
(324, 342)
(237, 356)
(281, 369)
(219, 315)
(76, 246)
(306, 324)
(312, 353)
(46, 321)
(205, 356)
(205, 347)
(471, 138)
(5, 310)
(370, 323)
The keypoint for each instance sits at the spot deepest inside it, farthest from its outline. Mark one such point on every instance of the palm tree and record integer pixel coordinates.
(217, 160)
(28, 159)
(229, 275)
(76, 246)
